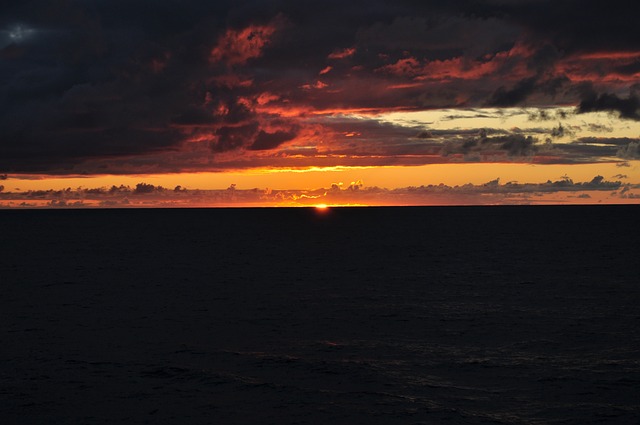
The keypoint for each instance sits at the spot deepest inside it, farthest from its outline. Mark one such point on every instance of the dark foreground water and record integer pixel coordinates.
(489, 315)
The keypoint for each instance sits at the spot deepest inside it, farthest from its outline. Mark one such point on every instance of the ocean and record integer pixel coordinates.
(414, 315)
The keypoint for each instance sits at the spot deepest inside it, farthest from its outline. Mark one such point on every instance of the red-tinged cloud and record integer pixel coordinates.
(342, 53)
(221, 85)
(406, 67)
(510, 64)
(405, 86)
(236, 47)
(317, 85)
(616, 68)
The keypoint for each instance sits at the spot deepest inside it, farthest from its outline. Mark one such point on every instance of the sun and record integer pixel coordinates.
(322, 207)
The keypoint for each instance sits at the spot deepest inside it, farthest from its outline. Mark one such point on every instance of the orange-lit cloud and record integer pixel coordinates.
(463, 68)
(317, 85)
(342, 53)
(236, 47)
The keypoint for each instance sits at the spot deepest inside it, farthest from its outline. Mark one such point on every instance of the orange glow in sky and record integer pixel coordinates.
(411, 104)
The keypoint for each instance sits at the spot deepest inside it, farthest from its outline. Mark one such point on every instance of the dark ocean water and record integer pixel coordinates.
(467, 315)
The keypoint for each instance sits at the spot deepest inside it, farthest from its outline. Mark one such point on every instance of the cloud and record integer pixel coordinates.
(508, 63)
(628, 108)
(440, 30)
(142, 188)
(233, 137)
(409, 67)
(586, 149)
(491, 192)
(117, 87)
(560, 131)
(575, 25)
(342, 53)
(236, 47)
(266, 141)
(487, 147)
(517, 145)
(508, 97)
(630, 151)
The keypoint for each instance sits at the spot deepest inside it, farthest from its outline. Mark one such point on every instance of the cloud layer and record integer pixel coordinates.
(492, 192)
(147, 87)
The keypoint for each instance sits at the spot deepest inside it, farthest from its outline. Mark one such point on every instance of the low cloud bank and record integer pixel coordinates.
(493, 192)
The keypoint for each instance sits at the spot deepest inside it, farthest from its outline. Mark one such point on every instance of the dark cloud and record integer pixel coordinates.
(560, 131)
(514, 146)
(546, 115)
(632, 68)
(111, 86)
(630, 151)
(142, 188)
(599, 128)
(630, 195)
(503, 97)
(585, 149)
(266, 141)
(195, 116)
(440, 35)
(628, 108)
(517, 145)
(523, 89)
(575, 25)
(230, 138)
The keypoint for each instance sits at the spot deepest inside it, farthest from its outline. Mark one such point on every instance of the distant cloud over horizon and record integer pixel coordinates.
(149, 195)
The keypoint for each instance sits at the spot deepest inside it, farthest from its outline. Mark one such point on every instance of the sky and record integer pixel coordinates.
(284, 103)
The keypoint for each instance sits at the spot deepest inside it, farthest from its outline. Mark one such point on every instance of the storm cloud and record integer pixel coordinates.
(628, 108)
(150, 86)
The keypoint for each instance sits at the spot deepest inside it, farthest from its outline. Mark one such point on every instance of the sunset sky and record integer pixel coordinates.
(306, 102)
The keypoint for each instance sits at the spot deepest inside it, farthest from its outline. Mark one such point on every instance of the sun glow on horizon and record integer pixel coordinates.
(385, 177)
